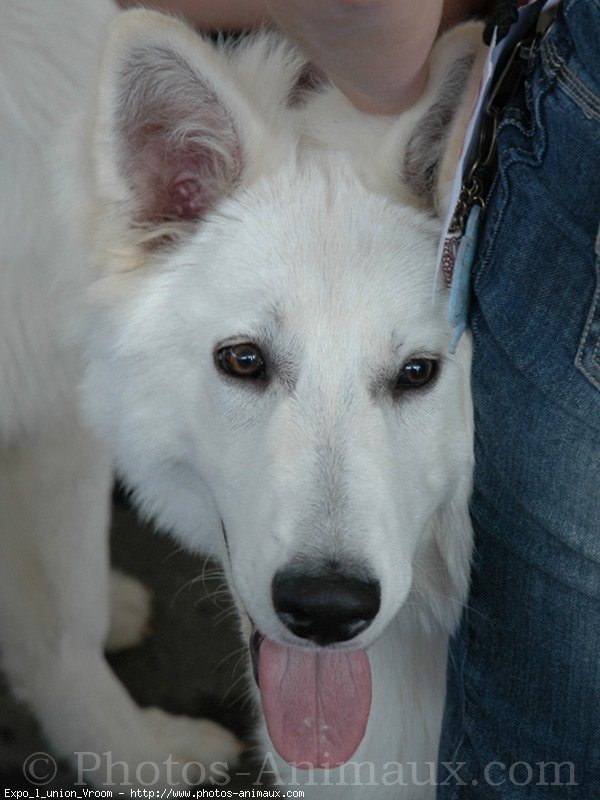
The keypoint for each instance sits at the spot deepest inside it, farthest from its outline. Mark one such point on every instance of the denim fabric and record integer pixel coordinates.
(524, 669)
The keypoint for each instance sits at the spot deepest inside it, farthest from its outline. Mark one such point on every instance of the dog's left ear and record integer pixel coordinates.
(432, 150)
(172, 129)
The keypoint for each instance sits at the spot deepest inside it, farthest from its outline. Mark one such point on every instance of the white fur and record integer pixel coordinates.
(316, 242)
(130, 610)
(54, 475)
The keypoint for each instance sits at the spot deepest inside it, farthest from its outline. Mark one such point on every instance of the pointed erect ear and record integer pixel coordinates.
(172, 128)
(433, 148)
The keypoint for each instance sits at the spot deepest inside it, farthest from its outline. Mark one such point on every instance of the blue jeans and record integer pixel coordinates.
(523, 708)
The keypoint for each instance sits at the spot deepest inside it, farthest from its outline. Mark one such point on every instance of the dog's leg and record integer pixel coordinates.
(130, 608)
(54, 599)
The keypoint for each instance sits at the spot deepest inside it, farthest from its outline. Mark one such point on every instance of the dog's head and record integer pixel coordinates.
(268, 359)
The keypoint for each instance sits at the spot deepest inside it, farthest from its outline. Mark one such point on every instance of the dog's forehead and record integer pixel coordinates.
(312, 241)
(310, 263)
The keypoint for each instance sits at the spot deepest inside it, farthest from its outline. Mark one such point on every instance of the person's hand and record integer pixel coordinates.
(375, 51)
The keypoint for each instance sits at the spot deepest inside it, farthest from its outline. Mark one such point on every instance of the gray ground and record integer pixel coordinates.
(192, 662)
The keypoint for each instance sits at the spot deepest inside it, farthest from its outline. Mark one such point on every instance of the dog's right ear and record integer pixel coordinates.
(433, 148)
(172, 128)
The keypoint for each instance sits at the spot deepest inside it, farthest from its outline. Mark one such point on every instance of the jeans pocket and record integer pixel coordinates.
(588, 355)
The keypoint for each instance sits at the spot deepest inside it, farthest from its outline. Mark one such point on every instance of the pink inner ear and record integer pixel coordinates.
(181, 168)
(180, 152)
(182, 179)
(184, 197)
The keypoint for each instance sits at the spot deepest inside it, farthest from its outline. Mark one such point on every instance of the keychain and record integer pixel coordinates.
(460, 290)
(504, 69)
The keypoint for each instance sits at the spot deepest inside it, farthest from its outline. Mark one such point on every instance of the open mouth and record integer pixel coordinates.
(316, 701)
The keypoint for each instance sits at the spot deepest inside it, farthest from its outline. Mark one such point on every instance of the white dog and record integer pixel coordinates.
(232, 278)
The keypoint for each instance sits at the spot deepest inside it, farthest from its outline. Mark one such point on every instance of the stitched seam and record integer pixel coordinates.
(590, 105)
(588, 101)
(581, 95)
(516, 119)
(595, 353)
(597, 348)
(502, 184)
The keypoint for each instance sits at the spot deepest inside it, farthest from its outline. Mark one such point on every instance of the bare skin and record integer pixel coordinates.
(375, 51)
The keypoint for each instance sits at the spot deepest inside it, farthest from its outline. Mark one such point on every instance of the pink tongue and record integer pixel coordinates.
(316, 702)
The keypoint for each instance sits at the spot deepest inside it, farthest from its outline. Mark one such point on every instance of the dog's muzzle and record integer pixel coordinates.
(325, 608)
(316, 700)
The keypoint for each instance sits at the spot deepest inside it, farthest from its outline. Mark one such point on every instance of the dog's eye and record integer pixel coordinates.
(416, 373)
(242, 361)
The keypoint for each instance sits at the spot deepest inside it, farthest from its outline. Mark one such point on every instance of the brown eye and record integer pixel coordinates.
(242, 361)
(416, 373)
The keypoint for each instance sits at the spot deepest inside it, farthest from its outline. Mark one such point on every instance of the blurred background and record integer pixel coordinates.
(192, 662)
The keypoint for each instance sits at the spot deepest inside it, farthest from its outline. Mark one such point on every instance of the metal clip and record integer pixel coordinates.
(501, 93)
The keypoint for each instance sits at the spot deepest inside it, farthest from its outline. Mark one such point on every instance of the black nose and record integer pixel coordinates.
(327, 607)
